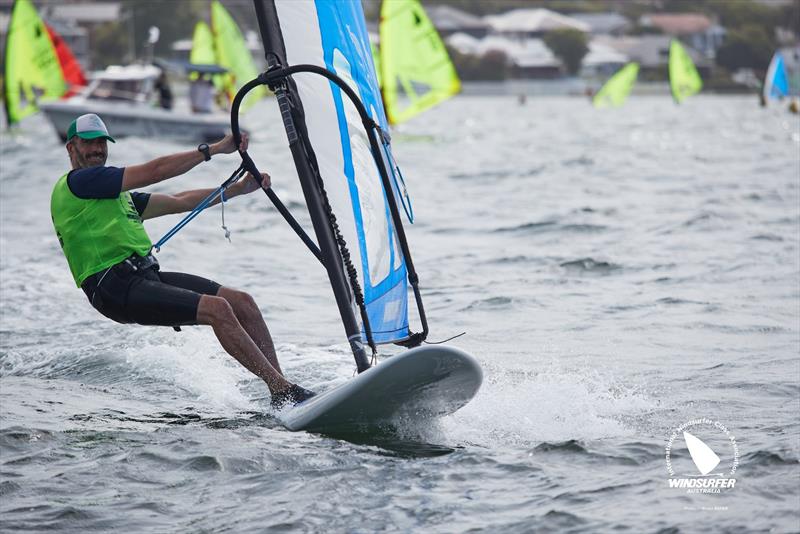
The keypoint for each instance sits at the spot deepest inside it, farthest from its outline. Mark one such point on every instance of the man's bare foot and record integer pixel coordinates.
(293, 395)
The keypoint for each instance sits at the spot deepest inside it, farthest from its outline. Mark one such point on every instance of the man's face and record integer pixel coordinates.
(88, 152)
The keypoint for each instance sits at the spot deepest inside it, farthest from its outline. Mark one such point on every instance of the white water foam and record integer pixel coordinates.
(195, 363)
(555, 404)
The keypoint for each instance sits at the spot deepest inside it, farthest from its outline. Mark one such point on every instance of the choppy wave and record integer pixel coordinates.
(589, 265)
(552, 226)
(618, 276)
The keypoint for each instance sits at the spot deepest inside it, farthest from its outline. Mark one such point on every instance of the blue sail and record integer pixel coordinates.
(333, 35)
(776, 83)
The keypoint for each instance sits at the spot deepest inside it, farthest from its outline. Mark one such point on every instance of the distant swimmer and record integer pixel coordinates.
(98, 221)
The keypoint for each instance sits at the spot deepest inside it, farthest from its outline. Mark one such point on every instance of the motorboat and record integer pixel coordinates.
(127, 98)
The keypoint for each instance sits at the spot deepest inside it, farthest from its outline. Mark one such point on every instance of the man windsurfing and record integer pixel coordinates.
(98, 221)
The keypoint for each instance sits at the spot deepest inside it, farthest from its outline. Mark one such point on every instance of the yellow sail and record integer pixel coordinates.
(32, 71)
(416, 70)
(202, 46)
(684, 80)
(232, 54)
(376, 59)
(617, 88)
(203, 53)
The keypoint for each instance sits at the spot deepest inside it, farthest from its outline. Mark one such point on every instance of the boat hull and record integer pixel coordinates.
(132, 120)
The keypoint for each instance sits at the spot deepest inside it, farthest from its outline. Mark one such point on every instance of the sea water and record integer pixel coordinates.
(621, 275)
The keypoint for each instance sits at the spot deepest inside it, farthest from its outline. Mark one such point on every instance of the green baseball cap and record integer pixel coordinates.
(88, 126)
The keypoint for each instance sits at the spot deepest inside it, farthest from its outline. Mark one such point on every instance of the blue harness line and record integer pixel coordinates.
(220, 191)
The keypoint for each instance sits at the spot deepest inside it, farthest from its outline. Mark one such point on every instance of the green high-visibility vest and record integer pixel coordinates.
(96, 233)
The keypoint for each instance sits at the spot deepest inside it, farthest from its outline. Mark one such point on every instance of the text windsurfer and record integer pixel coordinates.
(98, 221)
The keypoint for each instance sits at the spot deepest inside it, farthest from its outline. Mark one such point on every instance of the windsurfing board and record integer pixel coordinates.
(422, 383)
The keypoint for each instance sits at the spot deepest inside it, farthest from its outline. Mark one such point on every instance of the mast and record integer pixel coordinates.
(305, 161)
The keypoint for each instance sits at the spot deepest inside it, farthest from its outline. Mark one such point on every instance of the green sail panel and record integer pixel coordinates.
(232, 53)
(684, 80)
(202, 46)
(376, 59)
(415, 68)
(32, 71)
(203, 53)
(617, 88)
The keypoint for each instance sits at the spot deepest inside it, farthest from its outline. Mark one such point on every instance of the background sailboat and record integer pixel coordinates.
(70, 68)
(776, 82)
(230, 51)
(32, 70)
(616, 90)
(203, 53)
(123, 96)
(416, 72)
(684, 80)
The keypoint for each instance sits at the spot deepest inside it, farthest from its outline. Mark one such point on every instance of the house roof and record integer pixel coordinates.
(775, 2)
(64, 29)
(533, 21)
(648, 50)
(602, 22)
(448, 18)
(677, 23)
(525, 53)
(601, 53)
(85, 13)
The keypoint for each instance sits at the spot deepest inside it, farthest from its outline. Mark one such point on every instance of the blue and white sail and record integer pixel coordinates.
(776, 82)
(333, 35)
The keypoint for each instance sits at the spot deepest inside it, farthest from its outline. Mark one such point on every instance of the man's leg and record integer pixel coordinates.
(219, 314)
(168, 299)
(246, 310)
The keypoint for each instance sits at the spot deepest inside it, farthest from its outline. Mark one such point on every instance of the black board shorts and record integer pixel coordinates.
(147, 296)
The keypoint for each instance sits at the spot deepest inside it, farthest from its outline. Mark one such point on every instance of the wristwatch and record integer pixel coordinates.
(203, 147)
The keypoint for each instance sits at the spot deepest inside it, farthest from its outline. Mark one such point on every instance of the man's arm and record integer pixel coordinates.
(160, 169)
(160, 204)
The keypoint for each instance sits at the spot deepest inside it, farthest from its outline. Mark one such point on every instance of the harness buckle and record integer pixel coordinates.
(141, 263)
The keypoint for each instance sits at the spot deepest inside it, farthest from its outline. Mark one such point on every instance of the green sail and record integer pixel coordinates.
(413, 60)
(203, 53)
(376, 59)
(32, 72)
(202, 46)
(617, 88)
(232, 53)
(684, 79)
